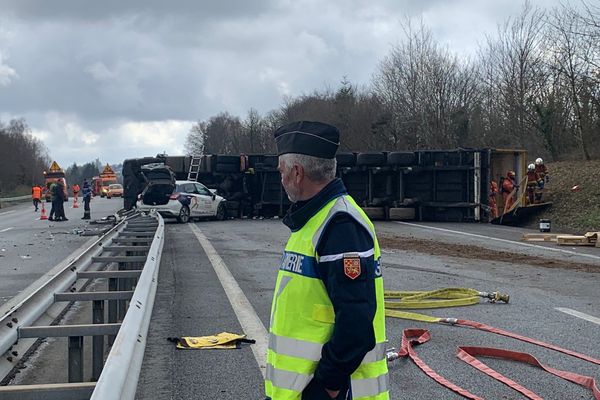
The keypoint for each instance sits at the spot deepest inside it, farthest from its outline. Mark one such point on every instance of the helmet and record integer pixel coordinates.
(510, 174)
(539, 161)
(531, 167)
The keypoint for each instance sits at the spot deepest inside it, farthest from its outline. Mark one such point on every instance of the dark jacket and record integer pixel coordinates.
(354, 300)
(86, 192)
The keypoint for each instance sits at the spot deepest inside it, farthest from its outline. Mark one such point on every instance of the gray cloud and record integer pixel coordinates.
(90, 76)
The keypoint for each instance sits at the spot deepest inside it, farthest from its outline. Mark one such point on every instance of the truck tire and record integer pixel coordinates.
(401, 158)
(271, 161)
(228, 167)
(346, 159)
(370, 159)
(402, 214)
(228, 159)
(375, 213)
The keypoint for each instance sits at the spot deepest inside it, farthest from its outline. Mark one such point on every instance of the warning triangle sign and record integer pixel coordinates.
(55, 167)
(108, 170)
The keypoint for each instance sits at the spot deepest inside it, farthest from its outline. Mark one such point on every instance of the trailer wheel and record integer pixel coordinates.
(345, 159)
(370, 159)
(228, 159)
(228, 167)
(402, 158)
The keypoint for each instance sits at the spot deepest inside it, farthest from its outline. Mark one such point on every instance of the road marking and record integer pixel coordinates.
(7, 229)
(501, 240)
(579, 314)
(7, 212)
(246, 315)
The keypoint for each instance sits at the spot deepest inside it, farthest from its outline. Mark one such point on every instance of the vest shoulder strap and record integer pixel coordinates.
(341, 205)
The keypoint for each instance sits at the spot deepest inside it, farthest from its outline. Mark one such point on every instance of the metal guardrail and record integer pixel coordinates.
(122, 368)
(27, 318)
(13, 199)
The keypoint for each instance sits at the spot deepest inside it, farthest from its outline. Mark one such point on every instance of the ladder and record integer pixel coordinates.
(194, 168)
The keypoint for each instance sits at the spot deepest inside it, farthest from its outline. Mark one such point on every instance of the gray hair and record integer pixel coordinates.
(316, 169)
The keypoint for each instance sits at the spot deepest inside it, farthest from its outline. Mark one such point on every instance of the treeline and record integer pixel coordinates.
(535, 84)
(77, 173)
(23, 159)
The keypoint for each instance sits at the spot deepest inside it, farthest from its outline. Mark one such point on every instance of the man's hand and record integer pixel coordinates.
(332, 393)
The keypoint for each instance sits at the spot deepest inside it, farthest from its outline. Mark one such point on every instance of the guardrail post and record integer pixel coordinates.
(97, 341)
(75, 359)
(112, 308)
(121, 285)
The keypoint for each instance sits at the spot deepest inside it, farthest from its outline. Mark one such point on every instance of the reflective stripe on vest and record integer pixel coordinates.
(302, 315)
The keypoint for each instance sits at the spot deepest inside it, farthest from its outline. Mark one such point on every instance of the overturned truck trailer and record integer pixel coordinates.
(427, 185)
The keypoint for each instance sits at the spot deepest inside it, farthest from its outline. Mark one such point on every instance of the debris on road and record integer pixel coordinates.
(223, 340)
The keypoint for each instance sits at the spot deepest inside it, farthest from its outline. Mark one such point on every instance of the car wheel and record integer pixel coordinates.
(184, 215)
(221, 211)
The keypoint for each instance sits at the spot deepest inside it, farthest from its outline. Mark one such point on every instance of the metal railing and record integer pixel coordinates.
(5, 200)
(134, 245)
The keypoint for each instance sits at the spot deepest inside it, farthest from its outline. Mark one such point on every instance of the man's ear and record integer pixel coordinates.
(299, 173)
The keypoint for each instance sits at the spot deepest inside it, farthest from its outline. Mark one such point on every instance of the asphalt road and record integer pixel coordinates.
(192, 301)
(29, 247)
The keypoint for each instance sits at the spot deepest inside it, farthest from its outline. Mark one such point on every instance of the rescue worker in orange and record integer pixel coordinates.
(508, 185)
(492, 199)
(36, 196)
(75, 188)
(542, 172)
(533, 183)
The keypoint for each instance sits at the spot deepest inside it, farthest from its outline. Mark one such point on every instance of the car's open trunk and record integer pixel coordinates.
(160, 184)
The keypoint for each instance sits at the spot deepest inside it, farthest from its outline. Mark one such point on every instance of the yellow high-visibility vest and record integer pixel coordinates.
(302, 315)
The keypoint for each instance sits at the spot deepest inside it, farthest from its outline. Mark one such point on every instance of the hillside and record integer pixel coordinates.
(573, 211)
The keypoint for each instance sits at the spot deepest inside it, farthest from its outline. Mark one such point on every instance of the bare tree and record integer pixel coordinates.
(194, 141)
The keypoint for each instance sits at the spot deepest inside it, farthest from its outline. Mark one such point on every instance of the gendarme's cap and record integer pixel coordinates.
(315, 139)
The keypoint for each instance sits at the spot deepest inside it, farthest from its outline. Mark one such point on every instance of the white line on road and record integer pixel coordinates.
(7, 229)
(7, 212)
(246, 315)
(500, 240)
(579, 314)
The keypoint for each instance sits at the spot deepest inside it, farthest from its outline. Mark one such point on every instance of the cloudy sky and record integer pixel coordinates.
(117, 79)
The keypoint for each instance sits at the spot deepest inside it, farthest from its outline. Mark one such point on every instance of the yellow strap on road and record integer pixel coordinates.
(411, 316)
(446, 297)
(439, 298)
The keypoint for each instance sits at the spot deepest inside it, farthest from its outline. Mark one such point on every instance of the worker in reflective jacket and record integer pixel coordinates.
(492, 199)
(327, 330)
(533, 183)
(509, 185)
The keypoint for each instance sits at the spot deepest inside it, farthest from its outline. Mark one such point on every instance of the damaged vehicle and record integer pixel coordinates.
(183, 200)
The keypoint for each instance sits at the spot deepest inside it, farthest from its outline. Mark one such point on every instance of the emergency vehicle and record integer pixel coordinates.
(107, 178)
(54, 174)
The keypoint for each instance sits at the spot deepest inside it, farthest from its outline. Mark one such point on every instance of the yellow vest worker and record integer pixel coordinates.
(327, 328)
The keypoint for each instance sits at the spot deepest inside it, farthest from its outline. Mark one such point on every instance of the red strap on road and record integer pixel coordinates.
(487, 328)
(468, 354)
(420, 336)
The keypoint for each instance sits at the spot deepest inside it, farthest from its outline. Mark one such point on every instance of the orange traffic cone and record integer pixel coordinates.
(43, 216)
(75, 205)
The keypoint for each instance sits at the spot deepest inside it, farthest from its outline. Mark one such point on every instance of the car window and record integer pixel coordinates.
(203, 190)
(189, 188)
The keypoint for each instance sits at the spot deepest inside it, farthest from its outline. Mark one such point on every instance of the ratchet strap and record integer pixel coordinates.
(453, 297)
(420, 336)
(469, 354)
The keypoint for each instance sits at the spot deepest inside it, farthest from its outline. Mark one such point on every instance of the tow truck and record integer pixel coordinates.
(54, 174)
(107, 177)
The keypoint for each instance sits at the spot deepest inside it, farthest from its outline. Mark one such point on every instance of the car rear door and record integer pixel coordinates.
(191, 193)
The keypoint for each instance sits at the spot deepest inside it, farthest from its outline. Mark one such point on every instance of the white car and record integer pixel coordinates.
(189, 200)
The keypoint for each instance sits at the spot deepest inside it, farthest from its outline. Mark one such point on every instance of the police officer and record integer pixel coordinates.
(327, 331)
